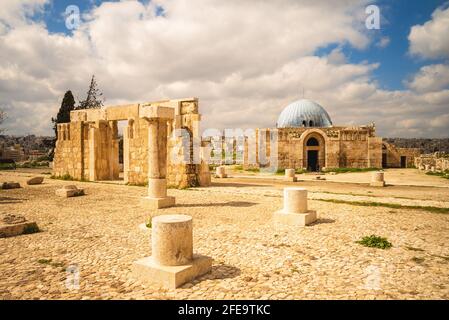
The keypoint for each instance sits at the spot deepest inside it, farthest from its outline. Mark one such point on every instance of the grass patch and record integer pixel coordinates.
(149, 224)
(44, 261)
(443, 174)
(418, 260)
(389, 205)
(374, 241)
(7, 166)
(49, 262)
(345, 170)
(33, 164)
(65, 177)
(281, 172)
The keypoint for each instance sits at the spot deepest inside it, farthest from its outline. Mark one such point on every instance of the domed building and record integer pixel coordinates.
(307, 139)
(304, 113)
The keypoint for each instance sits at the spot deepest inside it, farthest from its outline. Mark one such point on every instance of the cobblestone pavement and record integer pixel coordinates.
(99, 235)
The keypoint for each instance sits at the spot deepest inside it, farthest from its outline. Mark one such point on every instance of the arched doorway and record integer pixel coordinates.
(314, 152)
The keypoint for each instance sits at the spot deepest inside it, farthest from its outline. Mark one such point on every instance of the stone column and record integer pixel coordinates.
(290, 175)
(377, 179)
(295, 211)
(172, 262)
(157, 118)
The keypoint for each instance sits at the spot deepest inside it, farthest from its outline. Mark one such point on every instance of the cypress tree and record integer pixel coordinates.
(63, 116)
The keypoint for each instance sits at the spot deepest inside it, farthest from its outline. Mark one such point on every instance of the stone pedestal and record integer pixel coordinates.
(172, 262)
(157, 195)
(295, 211)
(290, 175)
(220, 172)
(377, 179)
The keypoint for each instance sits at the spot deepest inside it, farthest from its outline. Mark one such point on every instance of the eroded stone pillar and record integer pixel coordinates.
(377, 179)
(172, 262)
(295, 211)
(290, 175)
(157, 118)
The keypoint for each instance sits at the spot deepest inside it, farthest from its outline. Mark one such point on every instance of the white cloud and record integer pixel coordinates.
(430, 40)
(243, 66)
(431, 78)
(383, 42)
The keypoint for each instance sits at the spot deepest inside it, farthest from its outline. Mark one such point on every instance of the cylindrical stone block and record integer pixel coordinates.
(377, 176)
(157, 188)
(220, 170)
(172, 240)
(295, 200)
(289, 173)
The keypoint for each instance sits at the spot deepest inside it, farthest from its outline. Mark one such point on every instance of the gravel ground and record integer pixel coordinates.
(253, 259)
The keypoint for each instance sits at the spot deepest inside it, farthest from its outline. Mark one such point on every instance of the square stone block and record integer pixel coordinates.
(171, 277)
(157, 203)
(377, 184)
(221, 176)
(295, 219)
(12, 230)
(290, 179)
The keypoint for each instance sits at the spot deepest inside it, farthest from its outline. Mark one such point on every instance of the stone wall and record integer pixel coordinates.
(351, 147)
(392, 156)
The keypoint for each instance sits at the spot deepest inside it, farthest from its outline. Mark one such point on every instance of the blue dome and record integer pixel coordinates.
(304, 113)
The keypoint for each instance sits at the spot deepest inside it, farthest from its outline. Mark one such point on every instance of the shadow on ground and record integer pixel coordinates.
(323, 221)
(222, 204)
(237, 184)
(9, 200)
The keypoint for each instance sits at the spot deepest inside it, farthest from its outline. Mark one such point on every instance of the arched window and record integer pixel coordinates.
(310, 123)
(312, 142)
(304, 123)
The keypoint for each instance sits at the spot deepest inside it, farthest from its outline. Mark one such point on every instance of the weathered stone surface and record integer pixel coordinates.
(295, 211)
(35, 181)
(377, 179)
(10, 185)
(88, 146)
(172, 262)
(69, 191)
(12, 225)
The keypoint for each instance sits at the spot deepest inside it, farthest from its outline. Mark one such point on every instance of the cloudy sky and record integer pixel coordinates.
(245, 60)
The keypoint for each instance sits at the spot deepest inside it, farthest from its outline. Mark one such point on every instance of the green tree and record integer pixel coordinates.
(94, 97)
(63, 116)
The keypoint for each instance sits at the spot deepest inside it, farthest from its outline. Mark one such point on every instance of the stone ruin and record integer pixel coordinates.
(295, 211)
(69, 191)
(13, 225)
(172, 262)
(87, 148)
(433, 162)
